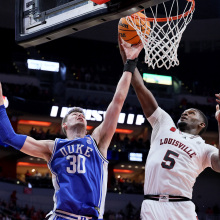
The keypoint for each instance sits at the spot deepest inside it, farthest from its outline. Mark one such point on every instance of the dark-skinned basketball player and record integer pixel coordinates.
(78, 163)
(177, 156)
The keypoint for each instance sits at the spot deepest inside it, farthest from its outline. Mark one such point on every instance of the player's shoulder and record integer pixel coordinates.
(162, 117)
(209, 147)
(47, 143)
(207, 151)
(66, 140)
(61, 140)
(203, 147)
(159, 113)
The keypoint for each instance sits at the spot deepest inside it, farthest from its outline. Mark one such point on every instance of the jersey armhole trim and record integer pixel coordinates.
(98, 151)
(52, 155)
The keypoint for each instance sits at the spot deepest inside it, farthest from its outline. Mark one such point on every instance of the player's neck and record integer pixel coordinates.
(76, 133)
(189, 131)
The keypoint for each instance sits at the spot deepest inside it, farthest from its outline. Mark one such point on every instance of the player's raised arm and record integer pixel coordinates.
(20, 142)
(104, 132)
(1, 95)
(216, 157)
(145, 97)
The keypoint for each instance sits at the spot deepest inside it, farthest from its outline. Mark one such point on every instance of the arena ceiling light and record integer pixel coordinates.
(88, 127)
(157, 79)
(43, 65)
(135, 157)
(36, 123)
(122, 171)
(123, 131)
(26, 164)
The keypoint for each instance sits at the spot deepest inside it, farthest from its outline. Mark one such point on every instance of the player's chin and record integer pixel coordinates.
(181, 124)
(81, 123)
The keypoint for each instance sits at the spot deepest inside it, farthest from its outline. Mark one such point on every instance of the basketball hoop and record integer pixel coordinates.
(168, 22)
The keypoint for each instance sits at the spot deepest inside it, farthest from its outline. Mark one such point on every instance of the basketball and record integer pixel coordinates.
(128, 33)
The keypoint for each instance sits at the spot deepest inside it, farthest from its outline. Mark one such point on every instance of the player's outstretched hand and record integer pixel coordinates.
(1, 95)
(129, 51)
(217, 114)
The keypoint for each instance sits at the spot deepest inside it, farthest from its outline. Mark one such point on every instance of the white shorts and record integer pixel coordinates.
(155, 210)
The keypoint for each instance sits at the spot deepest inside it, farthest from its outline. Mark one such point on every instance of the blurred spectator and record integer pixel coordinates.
(130, 208)
(33, 132)
(37, 174)
(19, 213)
(41, 134)
(47, 136)
(47, 175)
(6, 218)
(13, 198)
(120, 215)
(27, 175)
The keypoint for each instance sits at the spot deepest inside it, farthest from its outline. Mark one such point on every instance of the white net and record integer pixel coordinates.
(162, 43)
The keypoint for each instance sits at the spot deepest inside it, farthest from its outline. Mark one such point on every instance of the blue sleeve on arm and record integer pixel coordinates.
(7, 134)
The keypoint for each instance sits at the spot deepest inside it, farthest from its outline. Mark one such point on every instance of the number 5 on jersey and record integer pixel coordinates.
(169, 161)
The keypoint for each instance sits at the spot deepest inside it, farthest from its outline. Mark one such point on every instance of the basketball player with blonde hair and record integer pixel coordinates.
(78, 164)
(177, 156)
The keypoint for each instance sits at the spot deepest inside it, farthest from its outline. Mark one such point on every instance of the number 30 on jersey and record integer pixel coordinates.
(77, 164)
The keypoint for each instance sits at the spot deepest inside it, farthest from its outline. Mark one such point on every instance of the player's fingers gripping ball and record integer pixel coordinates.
(128, 33)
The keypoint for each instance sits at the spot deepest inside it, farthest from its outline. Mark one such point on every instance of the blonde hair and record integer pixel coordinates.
(74, 109)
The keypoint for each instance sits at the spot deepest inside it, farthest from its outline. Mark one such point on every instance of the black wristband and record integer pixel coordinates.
(130, 65)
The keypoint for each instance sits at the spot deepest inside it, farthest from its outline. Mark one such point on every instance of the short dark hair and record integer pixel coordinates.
(205, 120)
(74, 109)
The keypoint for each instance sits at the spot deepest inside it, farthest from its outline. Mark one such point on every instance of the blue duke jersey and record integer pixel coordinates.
(175, 158)
(79, 175)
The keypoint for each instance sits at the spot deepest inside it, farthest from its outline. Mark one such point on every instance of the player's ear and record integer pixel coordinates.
(202, 125)
(64, 126)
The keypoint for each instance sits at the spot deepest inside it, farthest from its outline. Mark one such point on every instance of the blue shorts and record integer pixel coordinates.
(59, 216)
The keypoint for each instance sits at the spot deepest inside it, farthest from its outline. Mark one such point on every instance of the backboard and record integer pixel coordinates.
(40, 21)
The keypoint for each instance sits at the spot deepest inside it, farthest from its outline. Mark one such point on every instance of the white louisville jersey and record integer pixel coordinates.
(175, 158)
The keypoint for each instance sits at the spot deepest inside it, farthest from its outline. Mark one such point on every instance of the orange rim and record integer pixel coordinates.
(168, 18)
